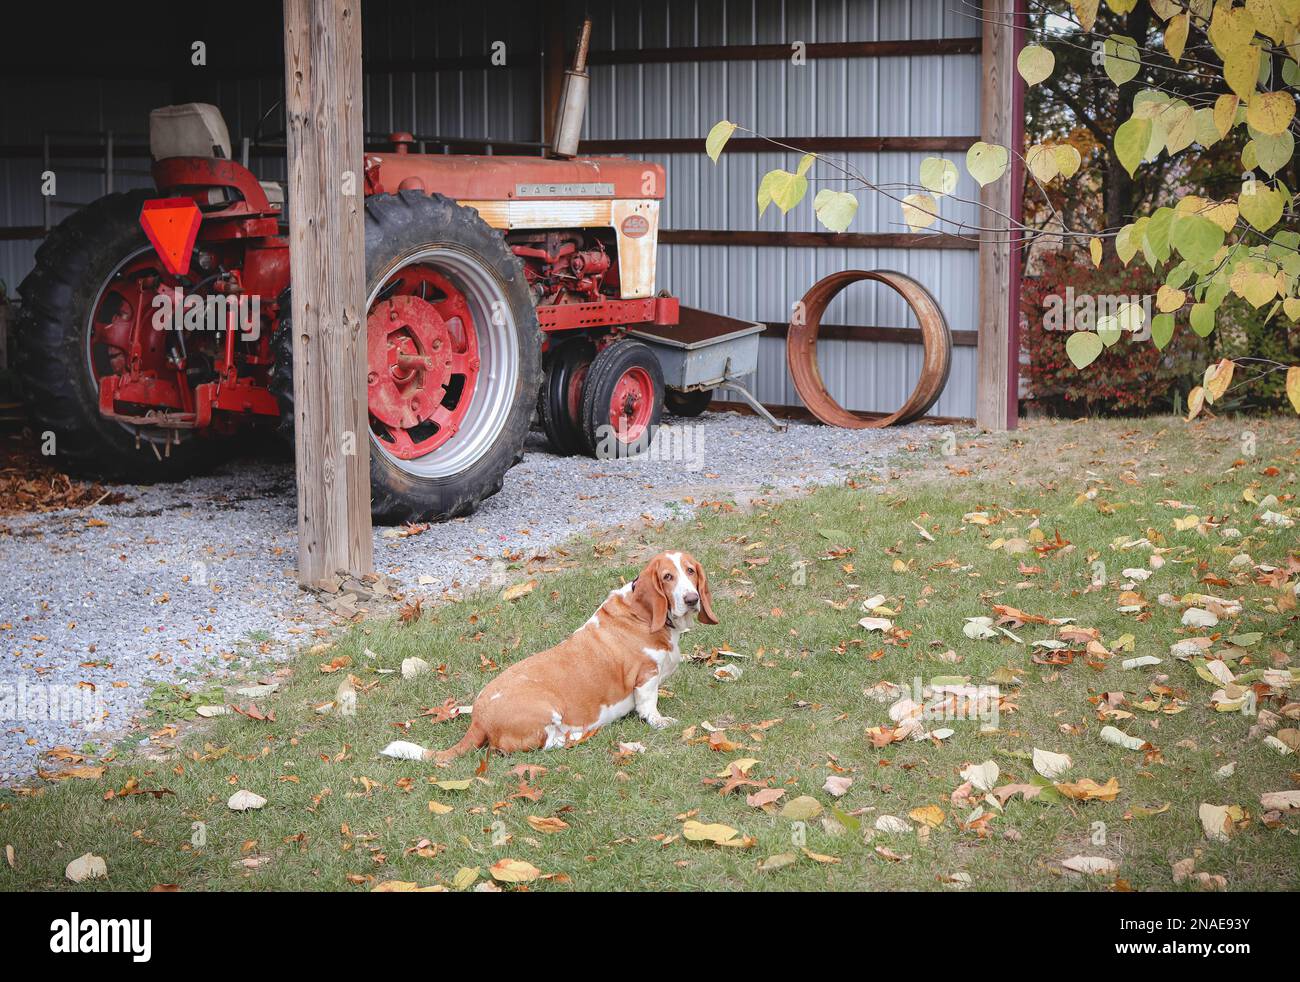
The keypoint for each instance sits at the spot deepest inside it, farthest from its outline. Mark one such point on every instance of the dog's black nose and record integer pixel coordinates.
(692, 599)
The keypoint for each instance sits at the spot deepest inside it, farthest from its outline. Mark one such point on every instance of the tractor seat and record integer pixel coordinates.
(193, 129)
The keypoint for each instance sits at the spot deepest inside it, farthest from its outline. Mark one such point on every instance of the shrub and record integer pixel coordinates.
(1130, 376)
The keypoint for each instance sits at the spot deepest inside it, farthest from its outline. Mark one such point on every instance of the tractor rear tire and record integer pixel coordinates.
(400, 227)
(73, 266)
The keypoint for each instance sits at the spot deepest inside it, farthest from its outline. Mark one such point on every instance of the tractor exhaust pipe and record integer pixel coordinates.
(573, 99)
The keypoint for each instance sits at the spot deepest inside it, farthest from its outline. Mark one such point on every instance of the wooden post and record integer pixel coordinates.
(1002, 123)
(322, 70)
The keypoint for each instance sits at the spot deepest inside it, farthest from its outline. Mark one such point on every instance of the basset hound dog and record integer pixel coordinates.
(611, 665)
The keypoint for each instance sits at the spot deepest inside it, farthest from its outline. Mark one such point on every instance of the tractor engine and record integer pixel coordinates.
(565, 267)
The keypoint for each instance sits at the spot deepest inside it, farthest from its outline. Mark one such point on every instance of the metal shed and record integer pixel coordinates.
(883, 82)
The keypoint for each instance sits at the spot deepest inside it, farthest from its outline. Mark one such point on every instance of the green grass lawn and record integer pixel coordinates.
(340, 817)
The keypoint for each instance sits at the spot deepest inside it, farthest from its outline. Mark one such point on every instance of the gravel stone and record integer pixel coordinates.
(192, 583)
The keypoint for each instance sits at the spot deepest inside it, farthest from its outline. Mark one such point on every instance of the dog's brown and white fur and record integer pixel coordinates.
(611, 665)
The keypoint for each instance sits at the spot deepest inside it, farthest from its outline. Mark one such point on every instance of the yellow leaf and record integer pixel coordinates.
(514, 871)
(1195, 402)
(1067, 160)
(1293, 386)
(1086, 789)
(1217, 379)
(1168, 299)
(919, 211)
(551, 824)
(1176, 36)
(1094, 250)
(1225, 113)
(699, 832)
(1241, 69)
(1035, 63)
(1270, 112)
(453, 785)
(717, 138)
(465, 877)
(517, 590)
(1042, 163)
(438, 808)
(818, 857)
(931, 815)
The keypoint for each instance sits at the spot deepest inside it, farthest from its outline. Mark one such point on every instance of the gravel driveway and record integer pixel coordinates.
(187, 582)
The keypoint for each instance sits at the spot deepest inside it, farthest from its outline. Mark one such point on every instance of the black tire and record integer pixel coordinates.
(680, 403)
(562, 427)
(72, 266)
(399, 226)
(281, 376)
(610, 366)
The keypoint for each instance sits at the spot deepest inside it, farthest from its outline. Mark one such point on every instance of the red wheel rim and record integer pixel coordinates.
(126, 295)
(423, 363)
(632, 404)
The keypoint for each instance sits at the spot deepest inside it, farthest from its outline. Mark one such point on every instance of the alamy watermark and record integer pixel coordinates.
(42, 703)
(1097, 312)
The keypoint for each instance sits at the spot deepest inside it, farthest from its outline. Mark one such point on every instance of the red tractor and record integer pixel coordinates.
(496, 286)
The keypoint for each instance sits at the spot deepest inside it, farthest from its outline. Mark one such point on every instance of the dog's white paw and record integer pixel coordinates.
(659, 722)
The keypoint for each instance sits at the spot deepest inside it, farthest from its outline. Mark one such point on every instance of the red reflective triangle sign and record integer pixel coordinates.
(172, 225)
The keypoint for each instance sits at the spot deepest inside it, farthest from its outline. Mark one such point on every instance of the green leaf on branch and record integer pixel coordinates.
(1122, 59)
(805, 162)
(717, 138)
(1261, 206)
(1272, 153)
(1202, 319)
(1108, 330)
(835, 209)
(1131, 141)
(1083, 348)
(986, 162)
(1035, 63)
(939, 175)
(1196, 238)
(781, 188)
(1162, 330)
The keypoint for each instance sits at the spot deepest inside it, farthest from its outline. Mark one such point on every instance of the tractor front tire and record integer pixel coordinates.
(74, 267)
(622, 401)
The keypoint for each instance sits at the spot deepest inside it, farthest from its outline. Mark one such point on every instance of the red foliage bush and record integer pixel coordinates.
(1131, 376)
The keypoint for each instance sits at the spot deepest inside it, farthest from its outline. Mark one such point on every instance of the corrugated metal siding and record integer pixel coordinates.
(936, 95)
(890, 96)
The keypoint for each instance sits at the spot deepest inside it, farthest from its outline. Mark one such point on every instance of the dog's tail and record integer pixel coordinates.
(474, 738)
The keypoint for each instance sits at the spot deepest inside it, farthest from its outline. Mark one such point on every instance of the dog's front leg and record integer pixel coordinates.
(646, 696)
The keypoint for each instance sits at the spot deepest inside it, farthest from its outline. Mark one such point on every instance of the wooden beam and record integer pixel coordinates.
(910, 48)
(812, 144)
(858, 332)
(322, 55)
(828, 240)
(998, 370)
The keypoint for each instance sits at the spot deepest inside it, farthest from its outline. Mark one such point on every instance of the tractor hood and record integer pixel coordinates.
(504, 178)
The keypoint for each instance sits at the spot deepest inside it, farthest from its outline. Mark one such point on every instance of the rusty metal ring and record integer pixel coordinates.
(801, 349)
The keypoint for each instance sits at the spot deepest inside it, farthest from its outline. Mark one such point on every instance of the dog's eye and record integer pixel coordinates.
(690, 571)
(668, 576)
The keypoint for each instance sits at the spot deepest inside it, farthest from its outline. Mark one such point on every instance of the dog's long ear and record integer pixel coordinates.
(707, 616)
(649, 596)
